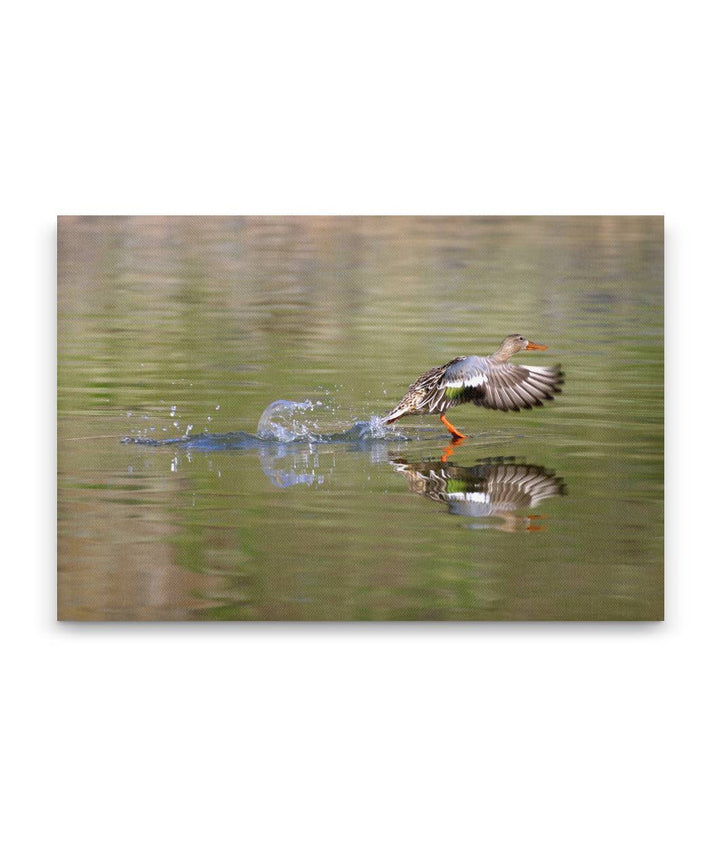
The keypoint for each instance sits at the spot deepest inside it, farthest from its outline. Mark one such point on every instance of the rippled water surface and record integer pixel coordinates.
(220, 454)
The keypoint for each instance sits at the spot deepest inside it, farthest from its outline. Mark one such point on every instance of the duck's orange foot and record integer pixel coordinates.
(452, 429)
(457, 441)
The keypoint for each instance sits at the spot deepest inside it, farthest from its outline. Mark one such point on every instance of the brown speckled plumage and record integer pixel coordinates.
(490, 382)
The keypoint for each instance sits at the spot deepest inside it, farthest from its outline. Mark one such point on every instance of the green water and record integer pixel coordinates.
(166, 323)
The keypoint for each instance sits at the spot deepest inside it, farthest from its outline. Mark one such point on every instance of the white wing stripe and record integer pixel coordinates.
(478, 380)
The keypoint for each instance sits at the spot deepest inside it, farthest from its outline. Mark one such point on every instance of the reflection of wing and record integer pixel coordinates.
(491, 489)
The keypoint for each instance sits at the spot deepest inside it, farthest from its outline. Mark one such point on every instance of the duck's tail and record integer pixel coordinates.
(397, 411)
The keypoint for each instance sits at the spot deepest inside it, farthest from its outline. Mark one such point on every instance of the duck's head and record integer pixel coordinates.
(515, 342)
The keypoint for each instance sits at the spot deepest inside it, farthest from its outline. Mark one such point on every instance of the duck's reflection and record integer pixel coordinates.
(499, 491)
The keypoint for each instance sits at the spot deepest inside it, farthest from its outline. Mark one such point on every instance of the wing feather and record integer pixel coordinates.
(510, 387)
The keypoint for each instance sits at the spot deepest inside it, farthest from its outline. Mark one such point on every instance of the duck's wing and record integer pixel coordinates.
(501, 386)
(511, 387)
(427, 393)
(456, 379)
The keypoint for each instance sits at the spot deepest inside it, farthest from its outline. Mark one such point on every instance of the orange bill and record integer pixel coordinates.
(532, 346)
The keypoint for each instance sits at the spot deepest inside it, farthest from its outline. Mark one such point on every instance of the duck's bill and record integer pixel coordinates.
(533, 346)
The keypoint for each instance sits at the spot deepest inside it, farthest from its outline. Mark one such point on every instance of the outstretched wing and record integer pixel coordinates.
(500, 386)
(511, 387)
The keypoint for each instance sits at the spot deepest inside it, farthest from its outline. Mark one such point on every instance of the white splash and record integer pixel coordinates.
(279, 422)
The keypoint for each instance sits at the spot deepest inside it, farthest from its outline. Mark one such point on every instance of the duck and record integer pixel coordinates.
(490, 381)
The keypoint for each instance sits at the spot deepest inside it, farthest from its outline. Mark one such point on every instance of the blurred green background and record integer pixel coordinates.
(168, 322)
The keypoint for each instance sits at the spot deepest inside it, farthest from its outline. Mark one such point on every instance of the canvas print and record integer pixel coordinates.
(360, 418)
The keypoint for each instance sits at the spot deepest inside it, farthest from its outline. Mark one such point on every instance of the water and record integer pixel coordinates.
(221, 455)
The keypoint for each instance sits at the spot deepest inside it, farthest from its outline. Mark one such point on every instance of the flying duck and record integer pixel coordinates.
(491, 382)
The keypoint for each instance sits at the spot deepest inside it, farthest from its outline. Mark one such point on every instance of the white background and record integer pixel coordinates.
(505, 739)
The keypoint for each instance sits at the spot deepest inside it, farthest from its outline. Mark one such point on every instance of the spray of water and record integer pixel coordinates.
(283, 422)
(280, 421)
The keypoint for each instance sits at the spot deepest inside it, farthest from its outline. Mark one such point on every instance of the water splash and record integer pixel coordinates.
(281, 424)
